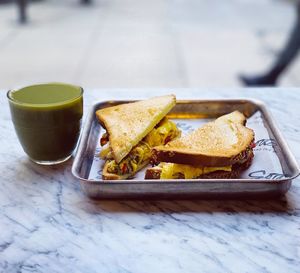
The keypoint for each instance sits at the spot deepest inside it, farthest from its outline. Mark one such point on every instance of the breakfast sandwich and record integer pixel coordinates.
(220, 149)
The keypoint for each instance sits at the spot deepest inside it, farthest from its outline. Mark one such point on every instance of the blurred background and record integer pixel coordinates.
(143, 43)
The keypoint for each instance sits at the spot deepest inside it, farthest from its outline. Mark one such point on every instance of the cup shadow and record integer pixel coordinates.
(48, 169)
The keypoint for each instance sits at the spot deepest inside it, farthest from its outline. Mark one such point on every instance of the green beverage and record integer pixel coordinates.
(47, 120)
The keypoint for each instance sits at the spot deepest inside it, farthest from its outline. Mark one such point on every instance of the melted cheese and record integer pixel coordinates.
(169, 170)
(159, 135)
(104, 153)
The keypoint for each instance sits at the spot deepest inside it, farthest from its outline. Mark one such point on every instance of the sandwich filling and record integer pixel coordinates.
(182, 171)
(140, 155)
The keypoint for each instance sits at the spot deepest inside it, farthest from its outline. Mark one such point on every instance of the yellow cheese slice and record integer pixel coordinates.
(169, 170)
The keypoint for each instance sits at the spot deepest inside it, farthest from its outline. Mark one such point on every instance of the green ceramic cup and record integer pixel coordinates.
(47, 120)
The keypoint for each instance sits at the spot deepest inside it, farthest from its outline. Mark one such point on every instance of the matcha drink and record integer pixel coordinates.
(47, 119)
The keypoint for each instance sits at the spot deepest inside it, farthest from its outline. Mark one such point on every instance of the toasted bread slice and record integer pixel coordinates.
(127, 124)
(217, 143)
(236, 117)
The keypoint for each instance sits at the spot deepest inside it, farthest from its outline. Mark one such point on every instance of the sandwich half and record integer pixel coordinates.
(219, 149)
(131, 130)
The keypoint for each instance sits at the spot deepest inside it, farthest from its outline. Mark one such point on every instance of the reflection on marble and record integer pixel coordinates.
(48, 225)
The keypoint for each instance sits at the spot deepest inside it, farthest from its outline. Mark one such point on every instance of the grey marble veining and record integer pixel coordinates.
(48, 225)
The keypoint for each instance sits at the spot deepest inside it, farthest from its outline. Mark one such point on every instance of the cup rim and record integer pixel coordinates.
(10, 98)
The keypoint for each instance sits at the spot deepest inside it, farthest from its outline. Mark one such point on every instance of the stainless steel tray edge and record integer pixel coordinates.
(280, 139)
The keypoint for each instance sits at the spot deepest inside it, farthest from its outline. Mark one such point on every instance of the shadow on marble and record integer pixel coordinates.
(280, 205)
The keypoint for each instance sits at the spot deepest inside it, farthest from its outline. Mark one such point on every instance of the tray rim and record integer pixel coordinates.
(259, 103)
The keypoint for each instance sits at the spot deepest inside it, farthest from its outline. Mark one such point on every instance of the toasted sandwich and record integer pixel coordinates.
(132, 129)
(219, 149)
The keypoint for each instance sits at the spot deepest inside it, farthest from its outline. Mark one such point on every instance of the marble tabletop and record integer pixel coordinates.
(48, 225)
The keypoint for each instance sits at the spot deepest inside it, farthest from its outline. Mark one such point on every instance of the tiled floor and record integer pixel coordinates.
(141, 43)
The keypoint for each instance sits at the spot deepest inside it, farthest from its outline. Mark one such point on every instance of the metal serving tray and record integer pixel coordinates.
(200, 188)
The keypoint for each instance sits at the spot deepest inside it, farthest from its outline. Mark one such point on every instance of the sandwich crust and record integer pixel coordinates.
(155, 172)
(127, 124)
(215, 144)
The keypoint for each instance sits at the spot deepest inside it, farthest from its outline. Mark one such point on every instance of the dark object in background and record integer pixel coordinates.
(22, 10)
(22, 4)
(5, 1)
(21, 7)
(284, 59)
(266, 80)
